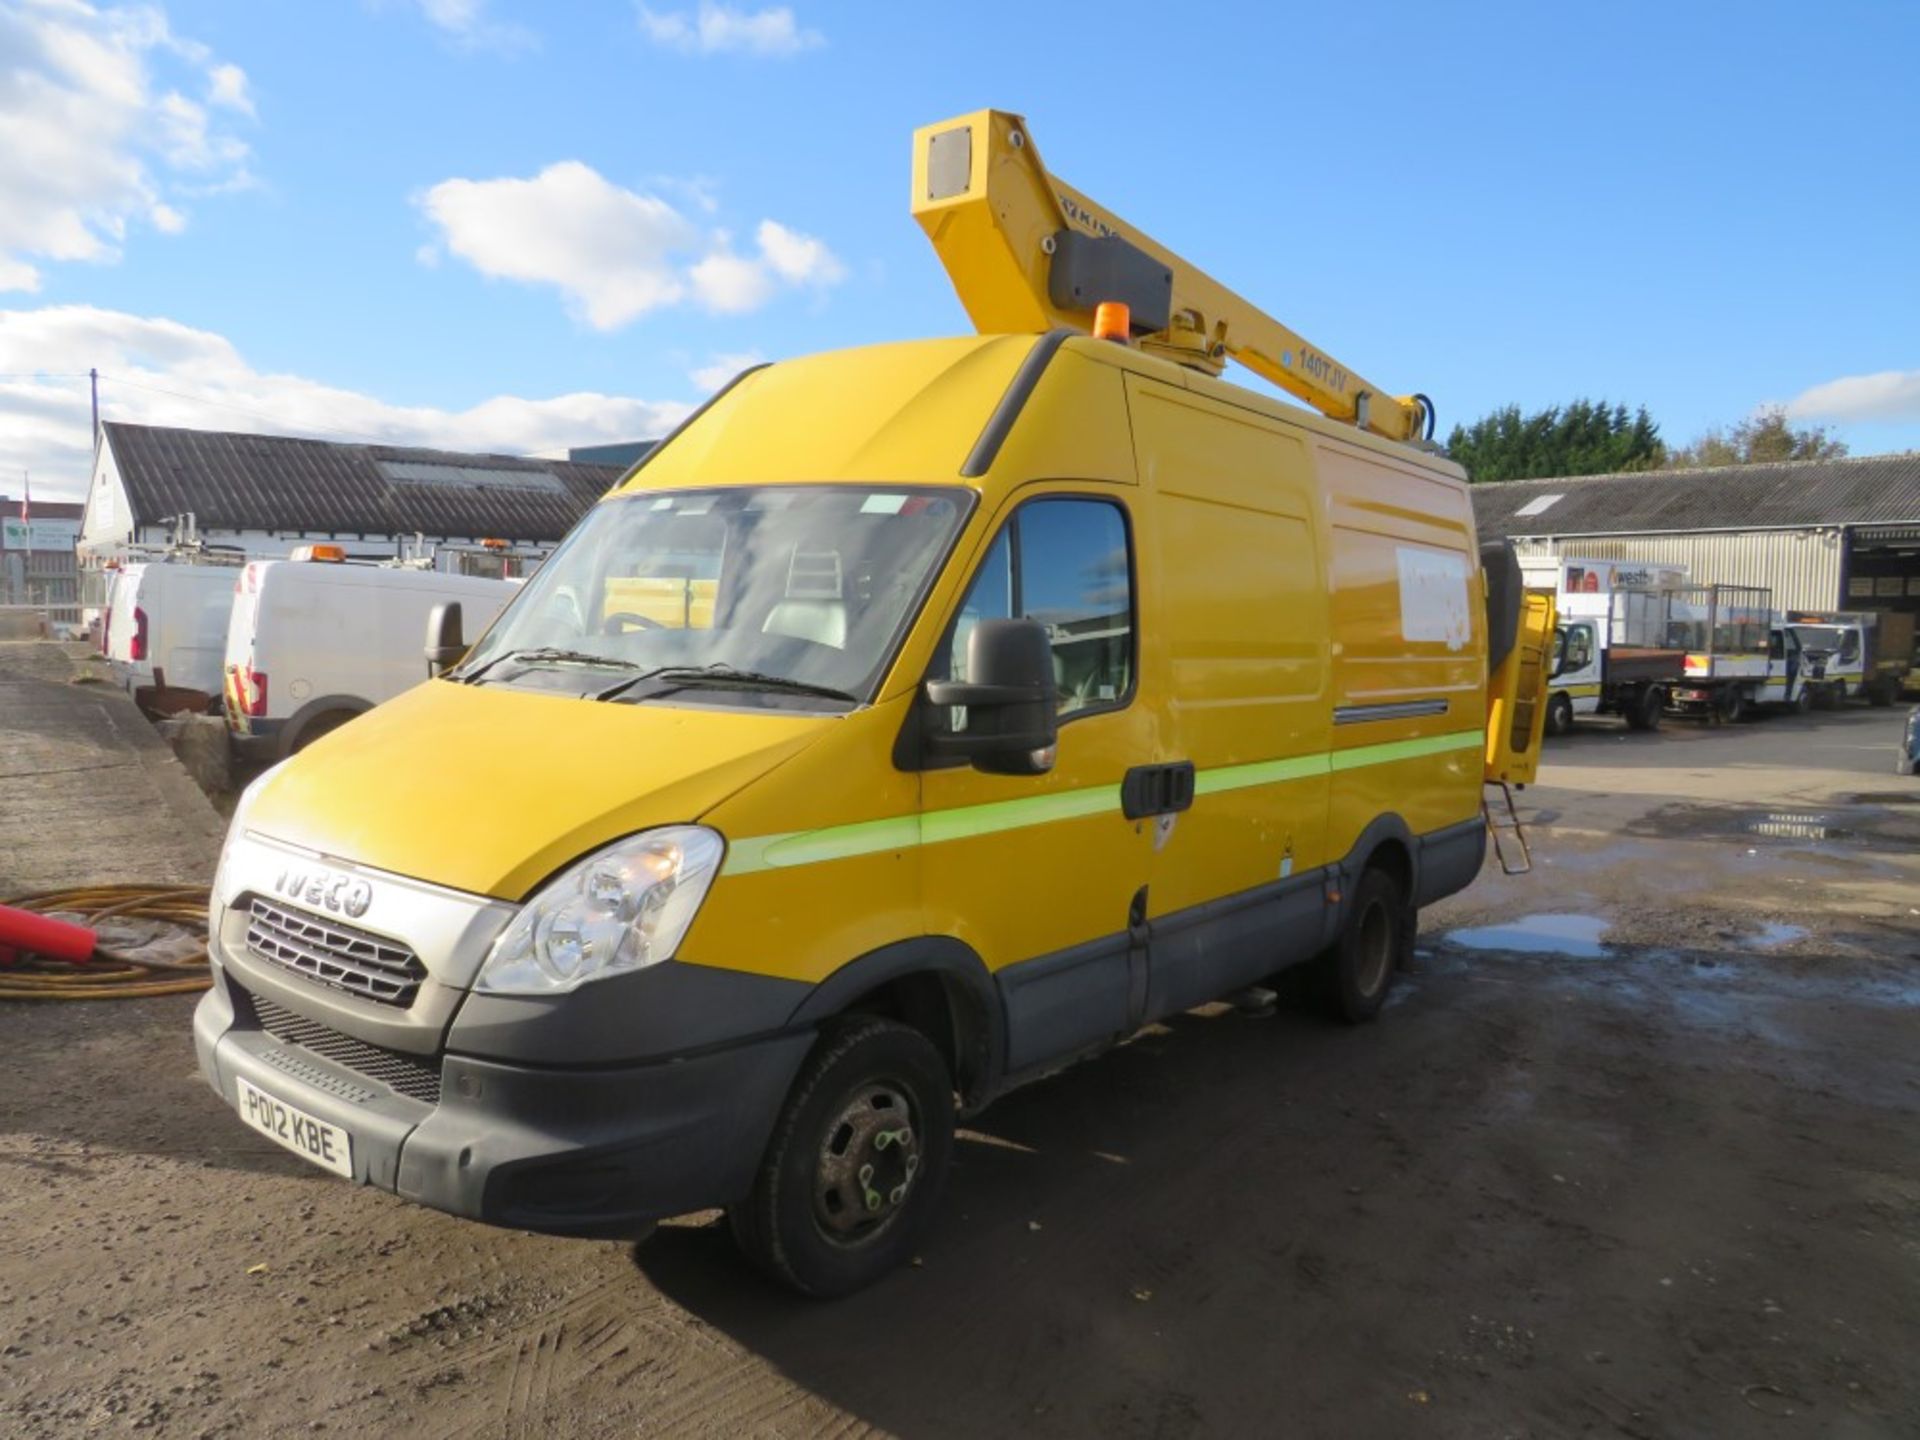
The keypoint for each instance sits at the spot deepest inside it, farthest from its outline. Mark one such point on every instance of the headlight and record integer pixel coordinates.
(620, 909)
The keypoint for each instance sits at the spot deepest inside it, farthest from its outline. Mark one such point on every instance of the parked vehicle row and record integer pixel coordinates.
(1639, 642)
(286, 650)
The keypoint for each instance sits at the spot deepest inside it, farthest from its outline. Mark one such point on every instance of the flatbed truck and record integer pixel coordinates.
(1612, 652)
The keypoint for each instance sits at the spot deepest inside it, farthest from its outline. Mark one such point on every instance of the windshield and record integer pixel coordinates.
(749, 586)
(1827, 639)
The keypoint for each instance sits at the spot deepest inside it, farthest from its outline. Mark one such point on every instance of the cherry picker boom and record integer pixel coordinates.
(1028, 252)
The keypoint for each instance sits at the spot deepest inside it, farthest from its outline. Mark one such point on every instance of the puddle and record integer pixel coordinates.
(1848, 827)
(1575, 936)
(1773, 934)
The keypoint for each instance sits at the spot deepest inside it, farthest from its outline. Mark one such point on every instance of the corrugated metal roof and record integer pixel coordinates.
(276, 482)
(1873, 489)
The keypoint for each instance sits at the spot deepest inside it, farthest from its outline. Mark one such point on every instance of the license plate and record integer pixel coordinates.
(326, 1145)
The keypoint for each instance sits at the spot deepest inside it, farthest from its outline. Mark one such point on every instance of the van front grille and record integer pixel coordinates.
(411, 1075)
(334, 954)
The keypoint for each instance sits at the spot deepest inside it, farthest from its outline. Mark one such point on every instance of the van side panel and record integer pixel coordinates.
(1409, 661)
(1237, 643)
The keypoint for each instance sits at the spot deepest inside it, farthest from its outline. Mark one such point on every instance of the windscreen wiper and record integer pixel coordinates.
(685, 676)
(550, 655)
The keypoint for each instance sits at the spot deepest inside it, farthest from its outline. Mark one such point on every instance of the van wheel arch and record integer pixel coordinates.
(310, 721)
(936, 985)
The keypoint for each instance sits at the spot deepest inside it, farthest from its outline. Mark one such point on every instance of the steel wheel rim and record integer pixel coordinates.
(867, 1163)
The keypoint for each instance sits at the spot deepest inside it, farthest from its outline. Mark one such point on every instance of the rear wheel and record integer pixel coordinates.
(856, 1163)
(1646, 708)
(1559, 715)
(1881, 693)
(1733, 706)
(1378, 940)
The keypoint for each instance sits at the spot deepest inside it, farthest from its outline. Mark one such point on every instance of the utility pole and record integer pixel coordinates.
(94, 376)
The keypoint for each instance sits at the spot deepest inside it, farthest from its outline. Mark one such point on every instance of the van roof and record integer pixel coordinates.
(914, 411)
(324, 572)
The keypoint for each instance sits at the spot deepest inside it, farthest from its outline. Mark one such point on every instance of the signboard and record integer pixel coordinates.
(1859, 587)
(18, 534)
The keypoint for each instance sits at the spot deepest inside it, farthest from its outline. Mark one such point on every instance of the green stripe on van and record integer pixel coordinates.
(969, 822)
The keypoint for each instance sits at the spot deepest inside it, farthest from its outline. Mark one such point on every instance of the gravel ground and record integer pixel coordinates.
(1669, 1187)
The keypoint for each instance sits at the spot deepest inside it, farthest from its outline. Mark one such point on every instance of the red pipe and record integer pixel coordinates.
(42, 935)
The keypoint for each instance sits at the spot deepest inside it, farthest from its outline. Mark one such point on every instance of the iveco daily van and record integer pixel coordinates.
(914, 720)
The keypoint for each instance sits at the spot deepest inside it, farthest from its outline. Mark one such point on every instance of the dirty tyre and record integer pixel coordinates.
(1646, 710)
(321, 725)
(1734, 710)
(1378, 940)
(1559, 715)
(857, 1161)
(1803, 702)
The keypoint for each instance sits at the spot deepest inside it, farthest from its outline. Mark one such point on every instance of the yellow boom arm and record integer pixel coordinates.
(1027, 252)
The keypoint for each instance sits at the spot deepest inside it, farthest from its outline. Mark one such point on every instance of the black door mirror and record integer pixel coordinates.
(444, 645)
(1010, 698)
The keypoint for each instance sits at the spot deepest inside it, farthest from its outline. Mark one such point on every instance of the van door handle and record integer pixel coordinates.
(1157, 790)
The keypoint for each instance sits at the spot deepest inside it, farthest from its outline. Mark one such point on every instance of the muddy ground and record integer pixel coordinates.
(1671, 1189)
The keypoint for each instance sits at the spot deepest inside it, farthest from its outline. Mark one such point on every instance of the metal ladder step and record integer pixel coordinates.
(1503, 819)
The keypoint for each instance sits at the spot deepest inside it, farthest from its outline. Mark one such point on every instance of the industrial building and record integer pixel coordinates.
(38, 572)
(1821, 534)
(262, 495)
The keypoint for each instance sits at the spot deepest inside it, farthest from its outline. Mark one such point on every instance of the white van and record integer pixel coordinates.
(314, 641)
(166, 623)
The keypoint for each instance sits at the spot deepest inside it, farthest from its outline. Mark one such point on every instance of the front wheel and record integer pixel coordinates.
(1378, 940)
(856, 1163)
(1559, 715)
(1803, 702)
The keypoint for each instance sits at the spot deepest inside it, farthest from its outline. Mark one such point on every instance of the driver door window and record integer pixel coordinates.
(1066, 563)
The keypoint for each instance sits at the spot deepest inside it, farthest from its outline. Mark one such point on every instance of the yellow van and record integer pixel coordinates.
(1014, 691)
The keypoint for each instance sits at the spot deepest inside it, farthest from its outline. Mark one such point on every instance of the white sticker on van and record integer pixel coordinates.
(1433, 597)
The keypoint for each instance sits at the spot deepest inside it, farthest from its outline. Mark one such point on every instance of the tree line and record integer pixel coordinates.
(1591, 437)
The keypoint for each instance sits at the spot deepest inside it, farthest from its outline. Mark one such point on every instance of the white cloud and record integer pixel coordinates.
(730, 284)
(44, 421)
(798, 259)
(713, 28)
(615, 254)
(227, 86)
(722, 368)
(1887, 395)
(469, 24)
(97, 134)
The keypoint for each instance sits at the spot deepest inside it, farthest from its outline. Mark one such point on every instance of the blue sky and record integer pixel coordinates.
(514, 226)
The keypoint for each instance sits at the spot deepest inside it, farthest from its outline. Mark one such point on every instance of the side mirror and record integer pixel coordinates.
(1010, 698)
(444, 645)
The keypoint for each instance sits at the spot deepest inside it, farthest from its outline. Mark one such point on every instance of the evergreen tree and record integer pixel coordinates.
(1584, 437)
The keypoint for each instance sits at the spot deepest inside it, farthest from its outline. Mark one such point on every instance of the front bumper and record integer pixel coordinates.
(601, 1151)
